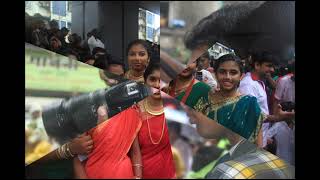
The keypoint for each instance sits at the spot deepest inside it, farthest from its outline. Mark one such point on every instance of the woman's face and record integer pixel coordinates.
(189, 71)
(153, 80)
(228, 75)
(138, 57)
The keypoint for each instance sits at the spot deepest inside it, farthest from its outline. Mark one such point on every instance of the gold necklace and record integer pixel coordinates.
(148, 109)
(225, 99)
(163, 124)
(131, 76)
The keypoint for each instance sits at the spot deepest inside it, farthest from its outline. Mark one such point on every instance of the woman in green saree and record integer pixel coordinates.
(187, 89)
(239, 113)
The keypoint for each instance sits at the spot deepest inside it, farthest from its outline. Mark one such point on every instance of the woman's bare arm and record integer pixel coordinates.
(79, 172)
(136, 159)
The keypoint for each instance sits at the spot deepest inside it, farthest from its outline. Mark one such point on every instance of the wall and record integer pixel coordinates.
(117, 20)
(84, 20)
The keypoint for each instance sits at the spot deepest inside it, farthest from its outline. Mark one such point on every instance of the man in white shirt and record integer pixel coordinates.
(283, 134)
(94, 41)
(252, 84)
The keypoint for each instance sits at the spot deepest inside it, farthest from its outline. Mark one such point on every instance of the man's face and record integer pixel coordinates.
(264, 69)
(116, 69)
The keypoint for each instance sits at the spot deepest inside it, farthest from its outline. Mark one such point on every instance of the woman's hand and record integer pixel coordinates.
(81, 145)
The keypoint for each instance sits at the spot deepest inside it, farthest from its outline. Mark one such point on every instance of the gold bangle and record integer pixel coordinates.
(69, 152)
(65, 156)
(137, 165)
(57, 153)
(62, 152)
(65, 151)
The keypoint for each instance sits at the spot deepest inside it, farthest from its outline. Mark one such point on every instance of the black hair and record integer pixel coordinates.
(144, 43)
(116, 60)
(98, 49)
(69, 51)
(53, 23)
(77, 38)
(89, 34)
(291, 67)
(263, 57)
(205, 55)
(101, 62)
(149, 70)
(64, 29)
(87, 57)
(228, 57)
(94, 32)
(283, 70)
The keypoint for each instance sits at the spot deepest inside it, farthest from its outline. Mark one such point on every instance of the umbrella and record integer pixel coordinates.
(249, 26)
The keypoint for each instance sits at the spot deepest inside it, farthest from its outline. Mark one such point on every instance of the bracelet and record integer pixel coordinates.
(137, 177)
(69, 152)
(57, 153)
(63, 152)
(137, 165)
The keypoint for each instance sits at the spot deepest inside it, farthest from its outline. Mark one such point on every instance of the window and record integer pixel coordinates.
(148, 25)
(149, 33)
(69, 26)
(69, 6)
(150, 18)
(59, 8)
(63, 24)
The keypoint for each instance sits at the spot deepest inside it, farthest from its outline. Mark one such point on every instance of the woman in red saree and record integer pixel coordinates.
(153, 136)
(114, 143)
(143, 129)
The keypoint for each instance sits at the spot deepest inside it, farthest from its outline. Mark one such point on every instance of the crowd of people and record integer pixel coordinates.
(92, 50)
(254, 98)
(90, 151)
(226, 82)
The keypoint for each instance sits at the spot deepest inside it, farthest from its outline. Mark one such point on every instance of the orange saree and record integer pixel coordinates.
(112, 141)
